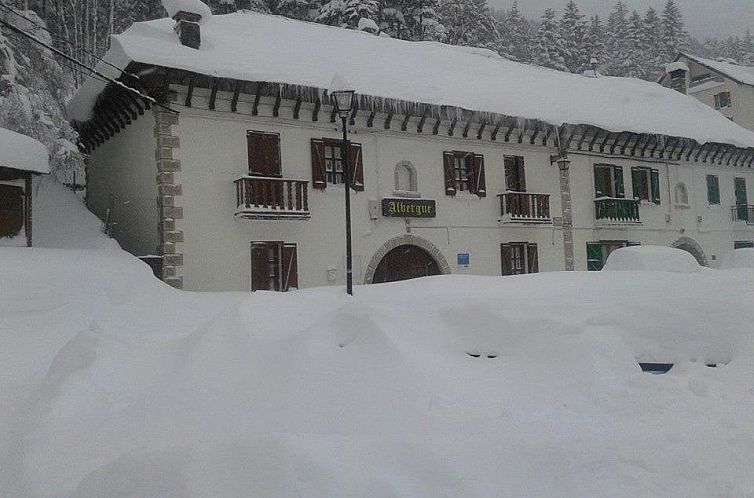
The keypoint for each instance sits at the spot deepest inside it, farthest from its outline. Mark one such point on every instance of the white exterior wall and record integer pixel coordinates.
(124, 168)
(216, 251)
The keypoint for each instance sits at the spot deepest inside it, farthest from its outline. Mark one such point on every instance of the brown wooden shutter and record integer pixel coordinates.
(290, 267)
(450, 177)
(506, 258)
(532, 258)
(480, 183)
(471, 172)
(521, 173)
(272, 154)
(264, 153)
(260, 271)
(319, 178)
(11, 210)
(356, 162)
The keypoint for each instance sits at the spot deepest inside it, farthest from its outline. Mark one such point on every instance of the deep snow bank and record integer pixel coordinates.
(652, 258)
(112, 384)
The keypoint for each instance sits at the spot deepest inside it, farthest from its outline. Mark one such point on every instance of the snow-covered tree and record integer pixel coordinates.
(296, 9)
(573, 32)
(421, 19)
(467, 22)
(654, 52)
(595, 42)
(617, 45)
(549, 52)
(674, 34)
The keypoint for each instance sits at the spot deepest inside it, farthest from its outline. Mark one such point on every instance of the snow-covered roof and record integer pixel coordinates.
(742, 74)
(192, 6)
(257, 47)
(22, 152)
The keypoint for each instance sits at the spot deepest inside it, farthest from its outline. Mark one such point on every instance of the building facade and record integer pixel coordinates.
(239, 185)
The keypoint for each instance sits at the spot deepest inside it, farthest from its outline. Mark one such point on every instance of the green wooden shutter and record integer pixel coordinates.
(594, 260)
(636, 182)
(450, 182)
(655, 186)
(620, 189)
(713, 190)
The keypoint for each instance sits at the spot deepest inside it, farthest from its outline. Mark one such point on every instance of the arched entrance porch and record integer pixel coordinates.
(406, 257)
(692, 247)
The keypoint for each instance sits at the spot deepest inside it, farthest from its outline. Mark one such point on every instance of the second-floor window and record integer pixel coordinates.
(608, 181)
(722, 99)
(328, 167)
(264, 153)
(713, 189)
(464, 172)
(646, 184)
(515, 175)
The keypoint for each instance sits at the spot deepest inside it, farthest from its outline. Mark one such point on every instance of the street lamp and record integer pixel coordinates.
(343, 99)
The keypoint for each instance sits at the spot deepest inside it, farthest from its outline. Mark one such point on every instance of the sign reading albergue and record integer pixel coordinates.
(408, 208)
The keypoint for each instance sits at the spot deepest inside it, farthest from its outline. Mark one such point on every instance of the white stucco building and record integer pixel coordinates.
(237, 181)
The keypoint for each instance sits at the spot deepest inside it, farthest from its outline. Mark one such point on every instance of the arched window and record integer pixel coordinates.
(681, 194)
(405, 179)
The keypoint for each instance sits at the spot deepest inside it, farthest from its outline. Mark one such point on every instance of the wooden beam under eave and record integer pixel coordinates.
(213, 95)
(509, 130)
(422, 120)
(699, 152)
(534, 135)
(120, 109)
(317, 107)
(616, 142)
(708, 149)
(257, 96)
(190, 91)
(333, 113)
(236, 94)
(566, 138)
(734, 157)
(388, 120)
(276, 107)
(452, 127)
(467, 128)
(717, 152)
(436, 127)
(496, 130)
(727, 152)
(352, 120)
(404, 123)
(297, 108)
(370, 119)
(481, 129)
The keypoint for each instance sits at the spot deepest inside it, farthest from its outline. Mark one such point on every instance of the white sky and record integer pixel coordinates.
(703, 17)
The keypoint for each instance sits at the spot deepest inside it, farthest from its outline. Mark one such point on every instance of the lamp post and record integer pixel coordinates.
(564, 165)
(343, 100)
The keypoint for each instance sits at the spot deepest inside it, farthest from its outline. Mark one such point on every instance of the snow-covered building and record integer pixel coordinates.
(722, 84)
(21, 158)
(465, 162)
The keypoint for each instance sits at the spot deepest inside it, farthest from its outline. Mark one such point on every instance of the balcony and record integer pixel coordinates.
(524, 207)
(268, 198)
(612, 210)
(743, 213)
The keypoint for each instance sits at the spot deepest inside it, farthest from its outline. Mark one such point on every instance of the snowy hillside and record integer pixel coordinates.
(113, 384)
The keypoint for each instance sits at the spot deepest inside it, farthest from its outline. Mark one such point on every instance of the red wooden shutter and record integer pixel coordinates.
(356, 163)
(506, 258)
(290, 267)
(532, 258)
(480, 183)
(319, 178)
(450, 177)
(260, 271)
(521, 173)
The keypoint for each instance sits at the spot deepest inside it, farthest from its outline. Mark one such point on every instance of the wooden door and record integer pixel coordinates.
(404, 263)
(11, 210)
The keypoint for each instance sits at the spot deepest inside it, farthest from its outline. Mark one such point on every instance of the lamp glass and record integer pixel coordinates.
(564, 163)
(343, 101)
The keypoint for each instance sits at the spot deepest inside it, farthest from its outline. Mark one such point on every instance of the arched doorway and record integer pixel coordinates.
(405, 262)
(692, 247)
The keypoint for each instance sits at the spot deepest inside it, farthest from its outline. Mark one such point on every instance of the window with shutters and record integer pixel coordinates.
(646, 184)
(464, 172)
(597, 252)
(328, 167)
(713, 190)
(519, 258)
(515, 176)
(608, 181)
(274, 266)
(723, 99)
(11, 210)
(264, 153)
(743, 244)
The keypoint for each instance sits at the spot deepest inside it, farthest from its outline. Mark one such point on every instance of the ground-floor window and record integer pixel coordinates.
(597, 252)
(743, 244)
(274, 266)
(519, 258)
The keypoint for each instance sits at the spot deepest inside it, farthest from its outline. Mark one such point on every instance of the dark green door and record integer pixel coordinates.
(742, 200)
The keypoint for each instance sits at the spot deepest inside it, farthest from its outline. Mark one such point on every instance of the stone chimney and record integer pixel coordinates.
(678, 74)
(187, 28)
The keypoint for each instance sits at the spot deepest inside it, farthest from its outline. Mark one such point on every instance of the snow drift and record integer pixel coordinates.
(652, 258)
(738, 258)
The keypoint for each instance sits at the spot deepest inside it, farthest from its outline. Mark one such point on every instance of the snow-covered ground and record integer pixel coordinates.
(113, 384)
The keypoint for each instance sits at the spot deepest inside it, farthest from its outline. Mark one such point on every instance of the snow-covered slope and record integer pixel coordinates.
(22, 152)
(257, 47)
(744, 74)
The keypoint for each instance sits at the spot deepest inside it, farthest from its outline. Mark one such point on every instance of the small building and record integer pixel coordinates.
(722, 84)
(21, 158)
(227, 163)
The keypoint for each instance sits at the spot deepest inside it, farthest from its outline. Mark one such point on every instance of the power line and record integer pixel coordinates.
(79, 63)
(57, 38)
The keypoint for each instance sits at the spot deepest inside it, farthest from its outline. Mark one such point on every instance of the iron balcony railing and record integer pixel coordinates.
(525, 207)
(743, 212)
(617, 210)
(260, 197)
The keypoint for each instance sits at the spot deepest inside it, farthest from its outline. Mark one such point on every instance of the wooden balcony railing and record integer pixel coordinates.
(743, 212)
(615, 210)
(269, 198)
(525, 207)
